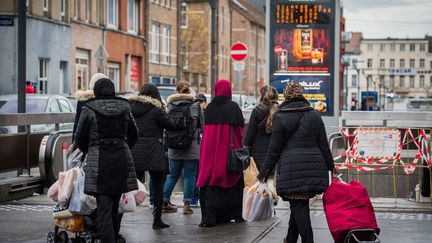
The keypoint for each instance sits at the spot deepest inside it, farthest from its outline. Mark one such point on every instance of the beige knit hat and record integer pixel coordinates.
(95, 78)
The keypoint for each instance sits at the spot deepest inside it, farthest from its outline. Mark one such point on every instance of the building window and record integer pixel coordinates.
(422, 47)
(412, 63)
(114, 74)
(166, 81)
(411, 82)
(98, 11)
(422, 81)
(392, 82)
(393, 47)
(369, 47)
(412, 47)
(402, 63)
(155, 80)
(382, 63)
(402, 47)
(112, 13)
(154, 51)
(183, 16)
(422, 63)
(392, 63)
(354, 80)
(63, 80)
(75, 9)
(382, 47)
(402, 81)
(168, 3)
(369, 63)
(43, 76)
(381, 78)
(166, 37)
(133, 16)
(62, 10)
(87, 10)
(45, 8)
(81, 69)
(369, 80)
(430, 82)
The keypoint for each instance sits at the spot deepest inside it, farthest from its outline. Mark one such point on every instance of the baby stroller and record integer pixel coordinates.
(350, 214)
(84, 227)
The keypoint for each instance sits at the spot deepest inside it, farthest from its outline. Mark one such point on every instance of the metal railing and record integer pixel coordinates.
(21, 150)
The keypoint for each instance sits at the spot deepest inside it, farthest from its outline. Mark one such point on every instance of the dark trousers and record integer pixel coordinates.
(299, 223)
(108, 221)
(157, 179)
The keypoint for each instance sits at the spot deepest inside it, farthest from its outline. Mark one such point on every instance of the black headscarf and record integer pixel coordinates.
(104, 88)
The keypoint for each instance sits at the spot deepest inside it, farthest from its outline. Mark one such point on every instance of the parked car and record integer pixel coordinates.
(248, 102)
(36, 103)
(167, 90)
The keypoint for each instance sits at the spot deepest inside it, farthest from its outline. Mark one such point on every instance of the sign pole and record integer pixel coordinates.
(240, 88)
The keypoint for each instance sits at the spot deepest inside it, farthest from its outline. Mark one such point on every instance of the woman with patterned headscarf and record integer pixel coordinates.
(299, 144)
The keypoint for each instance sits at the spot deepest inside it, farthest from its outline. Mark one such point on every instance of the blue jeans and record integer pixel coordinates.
(189, 175)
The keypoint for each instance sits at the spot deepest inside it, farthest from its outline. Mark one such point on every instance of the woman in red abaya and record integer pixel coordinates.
(221, 192)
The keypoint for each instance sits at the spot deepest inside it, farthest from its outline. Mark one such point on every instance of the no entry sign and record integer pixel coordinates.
(239, 51)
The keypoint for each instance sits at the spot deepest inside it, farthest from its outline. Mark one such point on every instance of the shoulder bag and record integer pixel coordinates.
(238, 159)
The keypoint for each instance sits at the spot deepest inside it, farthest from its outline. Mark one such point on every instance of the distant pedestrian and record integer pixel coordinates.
(221, 191)
(353, 104)
(184, 146)
(299, 144)
(201, 99)
(258, 133)
(148, 153)
(105, 132)
(29, 88)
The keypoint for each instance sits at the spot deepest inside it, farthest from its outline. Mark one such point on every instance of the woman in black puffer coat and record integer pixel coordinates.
(148, 153)
(258, 134)
(299, 144)
(105, 132)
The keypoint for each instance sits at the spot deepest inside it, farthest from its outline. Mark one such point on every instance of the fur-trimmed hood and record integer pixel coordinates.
(145, 100)
(142, 104)
(174, 98)
(84, 95)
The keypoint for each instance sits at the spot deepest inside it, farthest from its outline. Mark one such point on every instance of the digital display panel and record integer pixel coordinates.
(302, 48)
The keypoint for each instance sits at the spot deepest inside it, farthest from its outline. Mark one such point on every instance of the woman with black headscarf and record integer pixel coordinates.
(105, 132)
(221, 191)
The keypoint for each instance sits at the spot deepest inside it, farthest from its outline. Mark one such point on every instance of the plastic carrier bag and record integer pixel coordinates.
(248, 199)
(127, 202)
(74, 158)
(66, 188)
(262, 204)
(250, 174)
(140, 194)
(80, 202)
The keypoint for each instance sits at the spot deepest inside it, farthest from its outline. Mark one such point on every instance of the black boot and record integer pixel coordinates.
(157, 221)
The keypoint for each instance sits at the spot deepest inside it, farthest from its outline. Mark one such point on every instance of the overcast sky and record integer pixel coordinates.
(389, 18)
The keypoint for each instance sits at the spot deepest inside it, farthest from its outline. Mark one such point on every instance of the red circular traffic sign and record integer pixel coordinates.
(239, 51)
(278, 50)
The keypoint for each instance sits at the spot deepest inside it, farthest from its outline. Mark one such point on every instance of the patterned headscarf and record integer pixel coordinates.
(293, 90)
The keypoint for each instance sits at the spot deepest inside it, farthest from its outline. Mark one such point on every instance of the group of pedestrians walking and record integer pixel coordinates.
(121, 139)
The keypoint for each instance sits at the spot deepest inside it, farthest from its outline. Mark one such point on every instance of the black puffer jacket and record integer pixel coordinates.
(256, 138)
(148, 154)
(299, 143)
(105, 131)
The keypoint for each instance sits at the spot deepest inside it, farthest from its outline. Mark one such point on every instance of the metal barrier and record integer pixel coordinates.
(379, 183)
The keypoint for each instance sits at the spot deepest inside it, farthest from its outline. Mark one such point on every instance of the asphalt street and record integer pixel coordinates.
(30, 220)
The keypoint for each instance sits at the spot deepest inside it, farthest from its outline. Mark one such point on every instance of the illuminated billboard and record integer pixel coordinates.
(302, 48)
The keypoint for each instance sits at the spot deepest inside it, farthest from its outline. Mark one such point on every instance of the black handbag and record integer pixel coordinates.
(238, 159)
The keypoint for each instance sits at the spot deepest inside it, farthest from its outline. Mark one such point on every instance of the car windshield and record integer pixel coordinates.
(10, 106)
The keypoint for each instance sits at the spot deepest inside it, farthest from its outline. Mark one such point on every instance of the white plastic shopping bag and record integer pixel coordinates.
(80, 202)
(74, 158)
(127, 202)
(262, 205)
(140, 194)
(67, 186)
(248, 199)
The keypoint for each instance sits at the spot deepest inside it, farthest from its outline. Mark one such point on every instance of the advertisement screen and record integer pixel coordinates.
(316, 90)
(302, 48)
